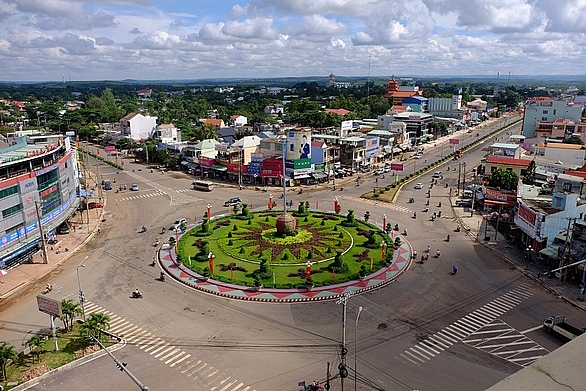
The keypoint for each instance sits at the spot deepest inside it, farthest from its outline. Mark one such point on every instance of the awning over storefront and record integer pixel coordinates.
(550, 251)
(219, 168)
(302, 176)
(318, 175)
(495, 202)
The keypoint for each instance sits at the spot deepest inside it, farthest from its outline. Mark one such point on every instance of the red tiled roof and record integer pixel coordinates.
(509, 161)
(340, 111)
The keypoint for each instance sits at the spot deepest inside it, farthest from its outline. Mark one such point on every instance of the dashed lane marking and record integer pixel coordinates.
(173, 356)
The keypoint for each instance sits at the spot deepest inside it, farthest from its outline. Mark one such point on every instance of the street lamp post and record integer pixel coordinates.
(81, 295)
(209, 212)
(355, 343)
(43, 243)
(211, 257)
(383, 249)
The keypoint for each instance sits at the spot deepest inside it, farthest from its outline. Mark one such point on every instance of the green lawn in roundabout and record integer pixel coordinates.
(249, 250)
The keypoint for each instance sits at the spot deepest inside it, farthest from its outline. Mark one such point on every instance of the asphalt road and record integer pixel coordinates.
(429, 330)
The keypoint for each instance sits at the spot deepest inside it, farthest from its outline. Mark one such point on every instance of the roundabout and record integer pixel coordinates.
(299, 256)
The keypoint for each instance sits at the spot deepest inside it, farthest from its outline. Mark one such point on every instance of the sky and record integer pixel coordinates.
(43, 40)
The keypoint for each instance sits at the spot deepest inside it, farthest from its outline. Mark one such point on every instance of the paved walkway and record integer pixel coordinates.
(181, 273)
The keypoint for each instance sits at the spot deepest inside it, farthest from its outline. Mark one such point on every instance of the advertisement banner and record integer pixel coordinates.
(372, 147)
(454, 141)
(109, 148)
(396, 167)
(301, 164)
(299, 145)
(206, 161)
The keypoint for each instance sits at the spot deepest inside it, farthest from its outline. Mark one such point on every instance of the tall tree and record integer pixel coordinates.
(34, 343)
(7, 354)
(504, 179)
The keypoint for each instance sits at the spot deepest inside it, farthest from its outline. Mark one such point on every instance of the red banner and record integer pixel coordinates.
(206, 161)
(396, 167)
(454, 141)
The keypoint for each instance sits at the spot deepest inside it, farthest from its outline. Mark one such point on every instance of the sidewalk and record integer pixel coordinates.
(67, 245)
(474, 226)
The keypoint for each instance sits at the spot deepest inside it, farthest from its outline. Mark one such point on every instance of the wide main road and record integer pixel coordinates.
(429, 330)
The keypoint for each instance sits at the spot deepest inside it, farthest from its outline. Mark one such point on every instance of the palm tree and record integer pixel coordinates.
(35, 343)
(94, 324)
(69, 310)
(7, 353)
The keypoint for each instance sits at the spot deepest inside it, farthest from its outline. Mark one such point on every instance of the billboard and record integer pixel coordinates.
(454, 141)
(49, 306)
(299, 145)
(372, 147)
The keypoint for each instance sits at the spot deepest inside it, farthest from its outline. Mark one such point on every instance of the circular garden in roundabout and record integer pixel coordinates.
(300, 249)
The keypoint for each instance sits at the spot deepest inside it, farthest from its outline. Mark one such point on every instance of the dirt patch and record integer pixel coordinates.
(178, 175)
(34, 372)
(87, 350)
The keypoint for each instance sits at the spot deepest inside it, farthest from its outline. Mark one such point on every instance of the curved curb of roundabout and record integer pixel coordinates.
(401, 262)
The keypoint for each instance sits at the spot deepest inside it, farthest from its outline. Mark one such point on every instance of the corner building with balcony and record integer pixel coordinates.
(38, 183)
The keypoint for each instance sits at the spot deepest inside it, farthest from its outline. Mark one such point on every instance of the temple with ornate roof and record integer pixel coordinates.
(398, 94)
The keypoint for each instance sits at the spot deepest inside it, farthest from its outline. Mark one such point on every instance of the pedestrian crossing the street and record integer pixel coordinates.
(474, 326)
(173, 356)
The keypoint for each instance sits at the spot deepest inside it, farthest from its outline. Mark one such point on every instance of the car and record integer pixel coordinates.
(340, 174)
(63, 229)
(419, 185)
(233, 202)
(466, 202)
(178, 223)
(417, 156)
(437, 174)
(95, 205)
(387, 169)
(107, 185)
(379, 171)
(134, 187)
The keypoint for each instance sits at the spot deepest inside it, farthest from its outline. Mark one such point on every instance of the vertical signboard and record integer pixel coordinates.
(299, 145)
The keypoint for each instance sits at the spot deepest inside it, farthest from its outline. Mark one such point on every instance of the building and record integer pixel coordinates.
(275, 109)
(137, 126)
(418, 124)
(477, 105)
(448, 107)
(397, 93)
(238, 120)
(38, 192)
(167, 133)
(545, 109)
(415, 103)
(568, 154)
(561, 129)
(518, 166)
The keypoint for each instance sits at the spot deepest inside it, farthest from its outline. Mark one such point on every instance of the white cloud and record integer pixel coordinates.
(149, 39)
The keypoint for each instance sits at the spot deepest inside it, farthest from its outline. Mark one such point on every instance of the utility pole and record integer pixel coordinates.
(567, 248)
(43, 243)
(343, 371)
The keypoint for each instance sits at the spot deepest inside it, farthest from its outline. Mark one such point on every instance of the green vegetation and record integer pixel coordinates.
(250, 252)
(73, 341)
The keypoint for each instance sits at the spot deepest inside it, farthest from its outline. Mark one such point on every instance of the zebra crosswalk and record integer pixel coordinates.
(173, 356)
(384, 205)
(483, 321)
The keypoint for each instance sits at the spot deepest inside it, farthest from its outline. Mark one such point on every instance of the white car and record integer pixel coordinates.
(379, 171)
(417, 156)
(134, 187)
(419, 185)
(178, 223)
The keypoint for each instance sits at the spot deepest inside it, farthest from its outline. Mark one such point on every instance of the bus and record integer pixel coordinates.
(203, 185)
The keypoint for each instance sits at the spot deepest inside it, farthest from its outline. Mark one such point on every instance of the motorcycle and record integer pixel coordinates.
(162, 278)
(396, 227)
(458, 228)
(137, 294)
(405, 232)
(48, 289)
(448, 238)
(157, 242)
(411, 200)
(437, 254)
(454, 270)
(143, 229)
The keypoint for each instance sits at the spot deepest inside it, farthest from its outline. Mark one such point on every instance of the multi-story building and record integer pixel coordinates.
(137, 126)
(545, 109)
(560, 129)
(38, 192)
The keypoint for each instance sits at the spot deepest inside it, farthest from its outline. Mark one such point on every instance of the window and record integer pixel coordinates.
(12, 210)
(544, 112)
(567, 186)
(544, 118)
(8, 191)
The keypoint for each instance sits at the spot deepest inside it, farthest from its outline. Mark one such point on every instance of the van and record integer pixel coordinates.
(203, 185)
(63, 229)
(107, 185)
